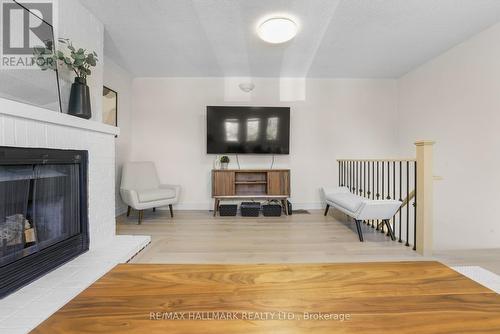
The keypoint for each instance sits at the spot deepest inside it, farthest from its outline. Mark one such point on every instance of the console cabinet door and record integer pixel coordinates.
(223, 183)
(278, 183)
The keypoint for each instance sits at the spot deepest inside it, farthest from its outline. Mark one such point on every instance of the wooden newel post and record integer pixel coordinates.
(424, 197)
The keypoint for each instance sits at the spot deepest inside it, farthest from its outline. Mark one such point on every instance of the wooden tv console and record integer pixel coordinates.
(238, 184)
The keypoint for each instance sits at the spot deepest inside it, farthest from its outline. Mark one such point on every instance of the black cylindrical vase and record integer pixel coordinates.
(79, 99)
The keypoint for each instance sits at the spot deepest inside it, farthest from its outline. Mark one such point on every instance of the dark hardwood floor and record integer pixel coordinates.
(390, 297)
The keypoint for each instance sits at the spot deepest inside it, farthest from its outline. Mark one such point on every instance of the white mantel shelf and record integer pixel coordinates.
(21, 110)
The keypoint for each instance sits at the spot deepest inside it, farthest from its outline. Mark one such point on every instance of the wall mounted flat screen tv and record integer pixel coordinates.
(248, 130)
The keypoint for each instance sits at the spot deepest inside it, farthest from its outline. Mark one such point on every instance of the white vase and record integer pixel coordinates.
(223, 165)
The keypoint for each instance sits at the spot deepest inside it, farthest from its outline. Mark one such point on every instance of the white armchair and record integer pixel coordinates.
(140, 189)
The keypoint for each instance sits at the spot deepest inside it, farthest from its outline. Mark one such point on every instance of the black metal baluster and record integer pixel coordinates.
(348, 171)
(388, 187)
(352, 176)
(341, 175)
(356, 189)
(358, 180)
(383, 182)
(388, 180)
(394, 194)
(407, 203)
(378, 193)
(340, 172)
(362, 178)
(373, 185)
(383, 192)
(344, 173)
(368, 193)
(415, 209)
(400, 195)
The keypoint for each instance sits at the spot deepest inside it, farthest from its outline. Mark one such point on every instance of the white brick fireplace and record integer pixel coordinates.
(23, 125)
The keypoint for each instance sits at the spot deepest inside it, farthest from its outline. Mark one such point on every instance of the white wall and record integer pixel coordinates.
(338, 118)
(455, 100)
(118, 79)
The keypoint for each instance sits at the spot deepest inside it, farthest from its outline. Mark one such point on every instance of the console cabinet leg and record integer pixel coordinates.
(216, 207)
(285, 206)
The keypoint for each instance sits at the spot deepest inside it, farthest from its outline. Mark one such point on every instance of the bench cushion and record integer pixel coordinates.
(348, 201)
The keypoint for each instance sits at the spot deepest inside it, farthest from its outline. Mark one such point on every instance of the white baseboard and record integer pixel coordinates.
(209, 206)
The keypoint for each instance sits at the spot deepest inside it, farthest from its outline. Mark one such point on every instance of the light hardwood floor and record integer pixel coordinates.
(198, 237)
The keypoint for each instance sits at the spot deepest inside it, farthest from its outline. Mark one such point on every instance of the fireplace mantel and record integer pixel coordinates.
(20, 110)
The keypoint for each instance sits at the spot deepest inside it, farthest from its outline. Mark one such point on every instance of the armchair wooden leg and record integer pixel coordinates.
(171, 210)
(128, 211)
(358, 227)
(327, 208)
(141, 213)
(154, 209)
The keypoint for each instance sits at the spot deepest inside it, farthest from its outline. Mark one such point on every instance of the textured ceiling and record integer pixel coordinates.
(337, 38)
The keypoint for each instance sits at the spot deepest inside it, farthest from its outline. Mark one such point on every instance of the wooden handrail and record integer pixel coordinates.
(407, 200)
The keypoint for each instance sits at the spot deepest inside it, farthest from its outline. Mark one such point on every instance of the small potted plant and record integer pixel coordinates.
(224, 162)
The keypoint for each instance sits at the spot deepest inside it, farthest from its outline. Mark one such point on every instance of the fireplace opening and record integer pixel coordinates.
(43, 212)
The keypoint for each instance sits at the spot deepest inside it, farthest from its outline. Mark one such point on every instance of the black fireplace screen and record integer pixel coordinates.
(39, 206)
(42, 210)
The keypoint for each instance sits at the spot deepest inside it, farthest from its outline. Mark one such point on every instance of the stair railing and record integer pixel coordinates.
(406, 180)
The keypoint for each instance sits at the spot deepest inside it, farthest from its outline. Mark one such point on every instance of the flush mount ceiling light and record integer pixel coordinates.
(277, 30)
(247, 87)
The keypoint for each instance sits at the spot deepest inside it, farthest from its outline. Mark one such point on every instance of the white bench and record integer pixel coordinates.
(361, 208)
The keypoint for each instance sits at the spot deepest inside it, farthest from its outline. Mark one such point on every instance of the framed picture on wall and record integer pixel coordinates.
(109, 106)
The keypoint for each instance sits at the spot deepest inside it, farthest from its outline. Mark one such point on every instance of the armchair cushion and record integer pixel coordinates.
(150, 195)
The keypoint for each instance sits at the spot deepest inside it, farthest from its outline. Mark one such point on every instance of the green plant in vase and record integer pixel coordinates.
(79, 61)
(224, 161)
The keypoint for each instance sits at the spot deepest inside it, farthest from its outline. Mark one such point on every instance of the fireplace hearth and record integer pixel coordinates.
(43, 212)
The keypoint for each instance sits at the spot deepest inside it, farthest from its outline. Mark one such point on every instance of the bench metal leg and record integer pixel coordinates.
(358, 227)
(171, 210)
(327, 208)
(389, 229)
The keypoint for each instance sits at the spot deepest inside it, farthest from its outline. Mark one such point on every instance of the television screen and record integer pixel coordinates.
(250, 130)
